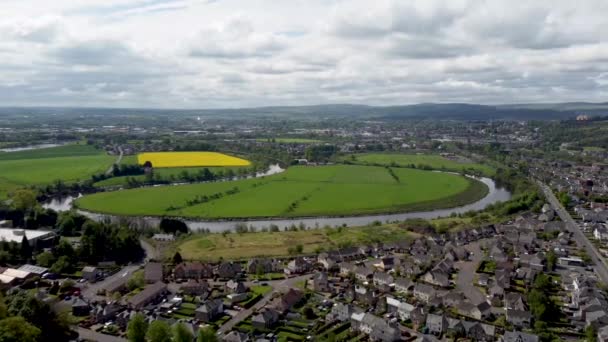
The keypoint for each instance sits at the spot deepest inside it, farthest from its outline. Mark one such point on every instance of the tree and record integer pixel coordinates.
(181, 333)
(136, 281)
(54, 327)
(177, 258)
(206, 335)
(158, 331)
(590, 334)
(551, 260)
(173, 226)
(17, 329)
(26, 249)
(136, 329)
(62, 265)
(24, 200)
(45, 259)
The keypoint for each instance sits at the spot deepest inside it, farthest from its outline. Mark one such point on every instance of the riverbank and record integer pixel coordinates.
(494, 195)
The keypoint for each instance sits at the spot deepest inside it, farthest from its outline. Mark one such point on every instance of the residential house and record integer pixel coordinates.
(436, 324)
(210, 310)
(387, 263)
(80, 307)
(365, 296)
(195, 287)
(403, 309)
(363, 273)
(377, 328)
(236, 336)
(90, 273)
(153, 272)
(478, 312)
(329, 261)
(437, 277)
(340, 312)
(298, 266)
(234, 286)
(265, 319)
(149, 294)
(262, 266)
(229, 270)
(515, 301)
(518, 336)
(403, 285)
(424, 292)
(192, 270)
(285, 302)
(519, 318)
(320, 282)
(347, 268)
(381, 278)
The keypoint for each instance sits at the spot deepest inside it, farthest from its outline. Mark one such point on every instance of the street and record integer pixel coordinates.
(91, 335)
(600, 267)
(91, 289)
(466, 274)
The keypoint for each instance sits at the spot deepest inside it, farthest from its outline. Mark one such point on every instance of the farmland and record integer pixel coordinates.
(249, 245)
(68, 163)
(189, 159)
(419, 160)
(300, 191)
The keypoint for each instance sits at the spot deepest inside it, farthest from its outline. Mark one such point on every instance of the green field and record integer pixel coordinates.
(164, 173)
(68, 163)
(432, 160)
(300, 191)
(249, 245)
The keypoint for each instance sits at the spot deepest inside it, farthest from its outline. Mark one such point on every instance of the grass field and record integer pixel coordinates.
(434, 161)
(43, 166)
(189, 159)
(300, 191)
(248, 245)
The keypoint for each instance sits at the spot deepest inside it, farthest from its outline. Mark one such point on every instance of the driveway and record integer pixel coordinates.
(466, 274)
(91, 335)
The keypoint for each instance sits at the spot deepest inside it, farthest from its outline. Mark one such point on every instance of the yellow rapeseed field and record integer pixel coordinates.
(190, 159)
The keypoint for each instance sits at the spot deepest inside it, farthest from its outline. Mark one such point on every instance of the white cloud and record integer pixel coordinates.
(231, 53)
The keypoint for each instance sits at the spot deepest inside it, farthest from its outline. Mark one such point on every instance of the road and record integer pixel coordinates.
(466, 274)
(91, 335)
(117, 162)
(279, 286)
(151, 251)
(91, 289)
(582, 241)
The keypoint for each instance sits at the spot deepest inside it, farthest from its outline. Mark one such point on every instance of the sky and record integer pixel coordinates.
(229, 53)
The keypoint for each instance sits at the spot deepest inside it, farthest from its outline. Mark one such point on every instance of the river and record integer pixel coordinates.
(494, 195)
(27, 148)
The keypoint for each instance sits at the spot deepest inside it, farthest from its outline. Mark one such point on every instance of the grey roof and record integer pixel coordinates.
(518, 336)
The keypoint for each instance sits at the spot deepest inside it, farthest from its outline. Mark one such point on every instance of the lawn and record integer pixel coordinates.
(190, 159)
(68, 163)
(300, 191)
(433, 161)
(248, 245)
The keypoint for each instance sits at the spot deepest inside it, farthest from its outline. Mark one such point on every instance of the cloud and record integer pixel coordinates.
(234, 53)
(44, 29)
(235, 38)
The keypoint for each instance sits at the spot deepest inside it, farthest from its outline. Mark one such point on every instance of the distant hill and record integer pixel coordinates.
(447, 111)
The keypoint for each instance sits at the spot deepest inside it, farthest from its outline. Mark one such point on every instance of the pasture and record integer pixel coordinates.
(300, 191)
(248, 245)
(189, 159)
(433, 161)
(68, 163)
